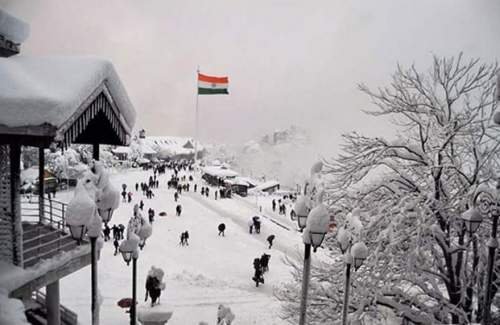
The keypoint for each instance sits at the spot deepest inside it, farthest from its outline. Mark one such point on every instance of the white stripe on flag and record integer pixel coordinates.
(208, 85)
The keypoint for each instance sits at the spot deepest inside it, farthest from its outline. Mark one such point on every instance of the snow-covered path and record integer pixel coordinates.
(210, 271)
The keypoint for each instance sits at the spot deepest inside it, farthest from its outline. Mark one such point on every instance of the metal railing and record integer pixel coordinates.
(67, 316)
(53, 211)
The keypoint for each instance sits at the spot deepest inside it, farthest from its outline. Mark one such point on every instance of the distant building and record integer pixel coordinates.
(268, 186)
(142, 134)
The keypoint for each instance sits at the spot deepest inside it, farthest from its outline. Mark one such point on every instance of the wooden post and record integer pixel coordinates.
(53, 303)
(41, 184)
(15, 203)
(95, 151)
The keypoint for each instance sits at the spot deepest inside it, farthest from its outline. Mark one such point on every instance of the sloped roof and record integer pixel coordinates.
(13, 28)
(219, 172)
(51, 91)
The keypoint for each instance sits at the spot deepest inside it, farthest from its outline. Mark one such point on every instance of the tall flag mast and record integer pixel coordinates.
(208, 85)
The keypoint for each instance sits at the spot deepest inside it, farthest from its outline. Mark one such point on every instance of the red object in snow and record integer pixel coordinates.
(125, 302)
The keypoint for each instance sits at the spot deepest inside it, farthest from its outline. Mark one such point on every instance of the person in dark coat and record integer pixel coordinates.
(151, 215)
(221, 228)
(258, 275)
(176, 196)
(264, 262)
(116, 243)
(178, 210)
(274, 205)
(153, 289)
(195, 187)
(116, 232)
(256, 224)
(122, 230)
(186, 237)
(136, 187)
(106, 232)
(124, 196)
(206, 191)
(129, 197)
(202, 190)
(182, 239)
(270, 239)
(141, 205)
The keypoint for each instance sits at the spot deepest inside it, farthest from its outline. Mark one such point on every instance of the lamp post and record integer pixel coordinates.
(93, 232)
(353, 254)
(129, 251)
(485, 204)
(313, 235)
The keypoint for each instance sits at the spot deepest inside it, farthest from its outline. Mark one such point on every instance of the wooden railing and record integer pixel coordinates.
(53, 211)
(68, 317)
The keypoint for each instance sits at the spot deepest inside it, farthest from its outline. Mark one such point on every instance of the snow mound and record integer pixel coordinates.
(38, 90)
(11, 310)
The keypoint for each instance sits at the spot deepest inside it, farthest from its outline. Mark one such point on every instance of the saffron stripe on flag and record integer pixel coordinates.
(210, 79)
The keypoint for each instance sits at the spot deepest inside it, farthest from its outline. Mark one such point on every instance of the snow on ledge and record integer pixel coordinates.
(13, 28)
(38, 90)
(13, 277)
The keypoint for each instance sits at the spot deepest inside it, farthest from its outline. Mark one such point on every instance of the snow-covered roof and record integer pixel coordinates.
(238, 181)
(13, 28)
(49, 90)
(219, 172)
(266, 185)
(121, 149)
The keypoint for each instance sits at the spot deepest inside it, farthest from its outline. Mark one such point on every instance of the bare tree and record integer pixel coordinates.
(413, 190)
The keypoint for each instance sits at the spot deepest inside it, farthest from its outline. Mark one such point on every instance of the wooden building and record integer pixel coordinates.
(44, 101)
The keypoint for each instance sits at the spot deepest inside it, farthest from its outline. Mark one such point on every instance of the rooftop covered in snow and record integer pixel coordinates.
(219, 172)
(13, 31)
(63, 99)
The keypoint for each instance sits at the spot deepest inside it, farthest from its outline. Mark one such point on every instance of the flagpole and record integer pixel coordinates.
(197, 120)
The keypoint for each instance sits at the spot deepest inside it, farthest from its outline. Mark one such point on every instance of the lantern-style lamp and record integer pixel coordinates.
(128, 248)
(301, 210)
(318, 222)
(107, 202)
(144, 233)
(359, 253)
(472, 219)
(344, 239)
(95, 226)
(79, 212)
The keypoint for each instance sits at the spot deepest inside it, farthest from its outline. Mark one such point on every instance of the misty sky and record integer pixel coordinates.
(289, 62)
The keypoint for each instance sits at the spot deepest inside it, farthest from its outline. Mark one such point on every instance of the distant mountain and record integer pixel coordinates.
(284, 155)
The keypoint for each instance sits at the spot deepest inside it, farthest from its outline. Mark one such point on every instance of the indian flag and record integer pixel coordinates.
(208, 85)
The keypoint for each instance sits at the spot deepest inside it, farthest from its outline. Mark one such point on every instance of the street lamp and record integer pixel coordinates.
(486, 204)
(77, 232)
(301, 210)
(93, 232)
(353, 254)
(129, 251)
(472, 219)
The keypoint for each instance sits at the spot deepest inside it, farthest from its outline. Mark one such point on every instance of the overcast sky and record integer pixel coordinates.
(288, 62)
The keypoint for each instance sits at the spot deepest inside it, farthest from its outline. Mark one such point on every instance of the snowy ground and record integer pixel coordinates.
(212, 270)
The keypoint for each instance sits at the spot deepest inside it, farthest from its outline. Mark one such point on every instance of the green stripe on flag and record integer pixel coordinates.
(212, 91)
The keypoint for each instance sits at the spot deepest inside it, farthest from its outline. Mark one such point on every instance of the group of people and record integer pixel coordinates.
(254, 225)
(184, 238)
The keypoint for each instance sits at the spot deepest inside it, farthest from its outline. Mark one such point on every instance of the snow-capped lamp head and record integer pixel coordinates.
(472, 220)
(344, 239)
(107, 202)
(80, 210)
(94, 227)
(359, 253)
(301, 210)
(318, 222)
(129, 247)
(144, 233)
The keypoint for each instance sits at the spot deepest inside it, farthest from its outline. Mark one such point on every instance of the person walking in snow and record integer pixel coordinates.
(195, 187)
(124, 196)
(129, 197)
(202, 190)
(186, 237)
(222, 228)
(141, 205)
(116, 243)
(122, 230)
(258, 275)
(116, 231)
(270, 239)
(176, 196)
(106, 232)
(274, 205)
(178, 210)
(206, 191)
(264, 262)
(250, 226)
(136, 187)
(151, 215)
(182, 239)
(215, 195)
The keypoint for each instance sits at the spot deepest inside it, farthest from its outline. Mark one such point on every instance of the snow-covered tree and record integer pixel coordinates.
(411, 192)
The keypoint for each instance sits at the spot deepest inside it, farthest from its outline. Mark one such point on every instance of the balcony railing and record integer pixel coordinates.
(53, 212)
